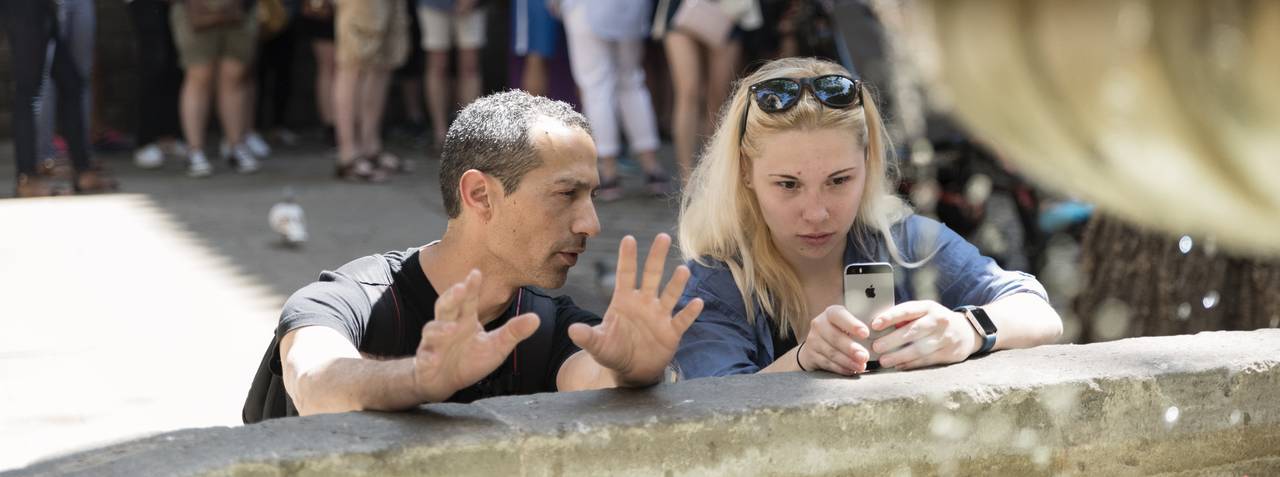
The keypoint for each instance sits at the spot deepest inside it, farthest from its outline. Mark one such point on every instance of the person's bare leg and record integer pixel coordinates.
(686, 73)
(649, 162)
(346, 95)
(535, 74)
(411, 93)
(325, 67)
(231, 100)
(721, 72)
(197, 86)
(249, 91)
(438, 98)
(468, 76)
(373, 101)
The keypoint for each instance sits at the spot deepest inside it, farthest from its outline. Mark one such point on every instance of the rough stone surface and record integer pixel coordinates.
(1182, 405)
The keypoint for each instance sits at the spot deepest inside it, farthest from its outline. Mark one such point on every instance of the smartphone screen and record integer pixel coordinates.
(868, 291)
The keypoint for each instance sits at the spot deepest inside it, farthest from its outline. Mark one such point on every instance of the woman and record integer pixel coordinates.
(701, 72)
(606, 53)
(801, 162)
(215, 57)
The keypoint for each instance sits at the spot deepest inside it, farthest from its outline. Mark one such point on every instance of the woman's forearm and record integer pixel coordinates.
(1023, 320)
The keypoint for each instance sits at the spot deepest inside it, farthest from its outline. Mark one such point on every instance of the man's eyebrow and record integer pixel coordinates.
(572, 182)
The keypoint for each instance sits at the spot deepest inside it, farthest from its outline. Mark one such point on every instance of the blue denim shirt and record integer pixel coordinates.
(721, 342)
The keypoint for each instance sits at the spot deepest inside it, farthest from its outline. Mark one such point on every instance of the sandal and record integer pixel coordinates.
(55, 168)
(95, 180)
(33, 186)
(610, 190)
(360, 170)
(393, 163)
(659, 184)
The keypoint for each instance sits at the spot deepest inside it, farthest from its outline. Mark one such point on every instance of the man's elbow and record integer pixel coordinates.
(311, 395)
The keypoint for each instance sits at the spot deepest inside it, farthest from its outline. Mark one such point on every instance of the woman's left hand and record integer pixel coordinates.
(928, 334)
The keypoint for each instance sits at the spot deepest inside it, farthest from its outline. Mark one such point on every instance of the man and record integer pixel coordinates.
(455, 320)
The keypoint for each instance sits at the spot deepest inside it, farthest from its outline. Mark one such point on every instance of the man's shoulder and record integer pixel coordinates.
(376, 269)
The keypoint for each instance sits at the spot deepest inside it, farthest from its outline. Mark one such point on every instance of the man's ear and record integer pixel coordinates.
(477, 193)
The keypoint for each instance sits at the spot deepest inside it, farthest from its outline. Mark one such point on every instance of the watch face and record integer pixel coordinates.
(988, 328)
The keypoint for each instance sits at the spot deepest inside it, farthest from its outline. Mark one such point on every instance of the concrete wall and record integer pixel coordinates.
(1182, 405)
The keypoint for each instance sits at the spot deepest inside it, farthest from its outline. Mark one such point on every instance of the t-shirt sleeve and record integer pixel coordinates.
(567, 313)
(334, 301)
(964, 275)
(721, 341)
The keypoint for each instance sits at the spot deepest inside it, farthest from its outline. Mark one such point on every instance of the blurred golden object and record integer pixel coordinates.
(1165, 113)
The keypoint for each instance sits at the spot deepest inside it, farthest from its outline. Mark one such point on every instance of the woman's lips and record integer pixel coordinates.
(816, 239)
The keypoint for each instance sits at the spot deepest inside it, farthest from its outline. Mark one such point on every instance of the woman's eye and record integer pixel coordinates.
(788, 185)
(841, 180)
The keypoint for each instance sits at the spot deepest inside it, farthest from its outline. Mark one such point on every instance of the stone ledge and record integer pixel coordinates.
(1181, 405)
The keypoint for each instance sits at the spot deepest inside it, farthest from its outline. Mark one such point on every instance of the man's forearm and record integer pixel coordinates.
(582, 372)
(357, 384)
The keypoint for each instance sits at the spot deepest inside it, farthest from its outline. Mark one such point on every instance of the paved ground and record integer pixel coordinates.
(147, 311)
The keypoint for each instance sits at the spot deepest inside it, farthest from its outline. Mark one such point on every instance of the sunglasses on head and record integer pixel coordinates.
(780, 94)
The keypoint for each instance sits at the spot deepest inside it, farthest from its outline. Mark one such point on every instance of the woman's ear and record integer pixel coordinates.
(475, 189)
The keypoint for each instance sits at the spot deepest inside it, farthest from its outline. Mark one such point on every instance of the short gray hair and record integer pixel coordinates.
(491, 135)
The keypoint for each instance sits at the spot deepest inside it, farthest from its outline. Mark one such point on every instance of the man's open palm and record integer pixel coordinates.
(639, 336)
(456, 351)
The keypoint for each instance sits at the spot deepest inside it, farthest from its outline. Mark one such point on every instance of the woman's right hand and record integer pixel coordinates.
(830, 344)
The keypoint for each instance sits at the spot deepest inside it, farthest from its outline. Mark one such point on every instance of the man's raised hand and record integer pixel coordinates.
(456, 351)
(639, 336)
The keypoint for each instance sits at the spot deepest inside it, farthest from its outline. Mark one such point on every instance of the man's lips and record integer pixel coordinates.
(570, 256)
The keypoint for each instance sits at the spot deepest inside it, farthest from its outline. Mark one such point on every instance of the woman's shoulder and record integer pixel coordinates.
(712, 279)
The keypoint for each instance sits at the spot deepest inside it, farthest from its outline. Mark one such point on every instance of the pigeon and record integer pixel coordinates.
(287, 219)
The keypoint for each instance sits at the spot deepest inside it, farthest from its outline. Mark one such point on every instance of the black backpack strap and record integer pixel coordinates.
(533, 355)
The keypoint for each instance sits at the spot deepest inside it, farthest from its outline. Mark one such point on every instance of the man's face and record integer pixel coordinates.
(539, 230)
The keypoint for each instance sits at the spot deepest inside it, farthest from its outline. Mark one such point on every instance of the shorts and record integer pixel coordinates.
(372, 33)
(440, 29)
(234, 42)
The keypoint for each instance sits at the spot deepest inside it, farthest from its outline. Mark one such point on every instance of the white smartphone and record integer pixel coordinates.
(868, 291)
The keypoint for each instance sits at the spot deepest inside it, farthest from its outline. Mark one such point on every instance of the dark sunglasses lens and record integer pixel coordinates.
(777, 95)
(836, 91)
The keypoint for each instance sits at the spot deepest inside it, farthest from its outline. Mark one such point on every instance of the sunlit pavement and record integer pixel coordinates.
(146, 311)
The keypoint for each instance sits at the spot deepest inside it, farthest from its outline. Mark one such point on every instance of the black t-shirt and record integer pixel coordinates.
(381, 302)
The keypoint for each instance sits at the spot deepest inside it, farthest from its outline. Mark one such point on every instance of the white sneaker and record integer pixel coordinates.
(149, 157)
(257, 145)
(198, 165)
(244, 160)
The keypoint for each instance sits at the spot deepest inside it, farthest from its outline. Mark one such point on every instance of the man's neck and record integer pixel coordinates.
(448, 261)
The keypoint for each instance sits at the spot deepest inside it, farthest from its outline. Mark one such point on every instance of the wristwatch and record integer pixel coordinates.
(982, 324)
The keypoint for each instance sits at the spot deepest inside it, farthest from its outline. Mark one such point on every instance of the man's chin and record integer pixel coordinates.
(553, 279)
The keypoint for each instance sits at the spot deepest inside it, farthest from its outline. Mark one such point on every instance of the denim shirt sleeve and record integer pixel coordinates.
(964, 275)
(720, 342)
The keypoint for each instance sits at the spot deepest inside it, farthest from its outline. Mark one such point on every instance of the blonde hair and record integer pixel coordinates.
(741, 240)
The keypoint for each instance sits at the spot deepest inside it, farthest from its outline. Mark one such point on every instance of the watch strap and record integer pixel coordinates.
(981, 322)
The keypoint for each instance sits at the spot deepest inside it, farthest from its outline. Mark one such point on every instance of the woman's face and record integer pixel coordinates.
(809, 186)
